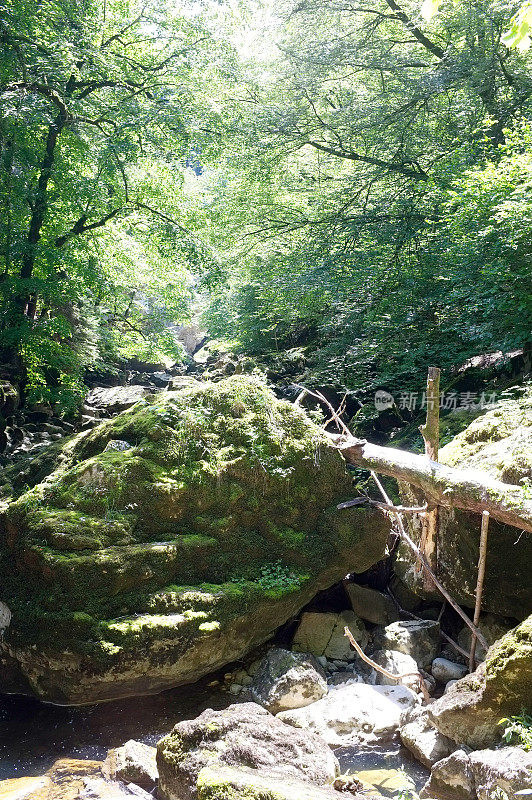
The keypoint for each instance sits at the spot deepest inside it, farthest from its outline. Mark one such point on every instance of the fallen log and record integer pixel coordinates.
(466, 489)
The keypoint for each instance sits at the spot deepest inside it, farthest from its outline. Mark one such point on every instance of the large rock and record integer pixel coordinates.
(419, 639)
(396, 663)
(288, 680)
(370, 605)
(508, 769)
(469, 712)
(421, 737)
(491, 627)
(241, 735)
(324, 635)
(482, 775)
(134, 762)
(500, 443)
(132, 571)
(233, 783)
(113, 399)
(451, 778)
(353, 713)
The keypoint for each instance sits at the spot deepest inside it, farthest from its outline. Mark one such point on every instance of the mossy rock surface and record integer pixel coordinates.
(500, 443)
(470, 712)
(133, 570)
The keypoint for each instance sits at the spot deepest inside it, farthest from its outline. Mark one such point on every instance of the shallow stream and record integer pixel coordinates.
(33, 735)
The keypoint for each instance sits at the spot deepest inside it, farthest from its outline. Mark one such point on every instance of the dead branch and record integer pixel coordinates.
(383, 671)
(483, 548)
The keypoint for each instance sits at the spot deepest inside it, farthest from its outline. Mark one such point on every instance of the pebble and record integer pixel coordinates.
(448, 686)
(235, 688)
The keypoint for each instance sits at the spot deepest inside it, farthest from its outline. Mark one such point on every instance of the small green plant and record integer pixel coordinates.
(277, 575)
(518, 730)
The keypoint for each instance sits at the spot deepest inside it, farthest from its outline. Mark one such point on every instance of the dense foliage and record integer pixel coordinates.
(99, 116)
(348, 185)
(380, 206)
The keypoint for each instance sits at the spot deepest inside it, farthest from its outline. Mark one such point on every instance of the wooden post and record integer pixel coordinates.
(431, 436)
(483, 549)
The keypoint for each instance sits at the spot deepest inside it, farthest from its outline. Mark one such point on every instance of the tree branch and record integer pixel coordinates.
(415, 31)
(402, 169)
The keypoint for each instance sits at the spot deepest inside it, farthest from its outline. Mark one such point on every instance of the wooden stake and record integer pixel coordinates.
(483, 549)
(431, 436)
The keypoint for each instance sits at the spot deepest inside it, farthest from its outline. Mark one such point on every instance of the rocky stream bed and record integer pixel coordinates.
(188, 536)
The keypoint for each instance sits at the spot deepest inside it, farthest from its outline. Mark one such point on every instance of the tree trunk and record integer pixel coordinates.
(468, 489)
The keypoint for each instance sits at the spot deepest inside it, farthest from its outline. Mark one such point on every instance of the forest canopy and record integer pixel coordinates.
(349, 182)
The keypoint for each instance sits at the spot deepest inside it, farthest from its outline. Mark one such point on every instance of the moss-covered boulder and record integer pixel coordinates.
(470, 712)
(500, 443)
(171, 540)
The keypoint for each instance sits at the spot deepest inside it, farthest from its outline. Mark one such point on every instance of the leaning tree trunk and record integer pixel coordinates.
(468, 489)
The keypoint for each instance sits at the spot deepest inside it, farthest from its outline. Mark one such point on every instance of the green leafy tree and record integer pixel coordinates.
(100, 113)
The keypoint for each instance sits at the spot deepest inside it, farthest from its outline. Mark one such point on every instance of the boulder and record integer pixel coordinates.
(469, 712)
(131, 571)
(508, 769)
(423, 740)
(134, 762)
(288, 680)
(322, 634)
(397, 664)
(230, 783)
(113, 399)
(419, 639)
(243, 735)
(444, 670)
(498, 442)
(451, 778)
(491, 627)
(370, 605)
(353, 713)
(481, 775)
(9, 398)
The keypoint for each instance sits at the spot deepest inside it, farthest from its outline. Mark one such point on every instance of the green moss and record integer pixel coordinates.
(221, 481)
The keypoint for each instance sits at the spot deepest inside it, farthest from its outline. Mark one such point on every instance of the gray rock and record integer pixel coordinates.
(101, 789)
(508, 769)
(397, 664)
(134, 762)
(417, 638)
(370, 605)
(478, 775)
(469, 712)
(452, 779)
(355, 713)
(445, 671)
(323, 635)
(113, 399)
(288, 680)
(426, 743)
(491, 627)
(5, 617)
(241, 735)
(252, 784)
(117, 444)
(448, 686)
